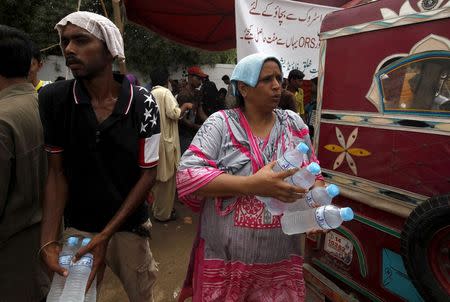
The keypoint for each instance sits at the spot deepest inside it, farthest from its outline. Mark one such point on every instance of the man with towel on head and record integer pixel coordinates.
(102, 138)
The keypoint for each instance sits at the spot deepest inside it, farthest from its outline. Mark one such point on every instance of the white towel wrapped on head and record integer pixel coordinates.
(99, 26)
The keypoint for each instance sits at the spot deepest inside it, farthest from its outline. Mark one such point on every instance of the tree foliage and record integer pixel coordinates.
(144, 50)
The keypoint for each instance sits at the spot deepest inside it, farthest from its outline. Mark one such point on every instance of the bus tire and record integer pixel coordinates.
(425, 242)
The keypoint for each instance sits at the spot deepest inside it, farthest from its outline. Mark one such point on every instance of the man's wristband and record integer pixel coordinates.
(45, 245)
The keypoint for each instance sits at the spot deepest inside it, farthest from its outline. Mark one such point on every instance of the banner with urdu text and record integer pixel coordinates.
(287, 29)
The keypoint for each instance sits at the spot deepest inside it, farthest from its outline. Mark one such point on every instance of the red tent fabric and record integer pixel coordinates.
(206, 24)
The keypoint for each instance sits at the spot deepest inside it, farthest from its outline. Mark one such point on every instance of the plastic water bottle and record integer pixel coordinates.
(289, 160)
(292, 158)
(324, 217)
(65, 256)
(91, 295)
(78, 276)
(304, 178)
(318, 196)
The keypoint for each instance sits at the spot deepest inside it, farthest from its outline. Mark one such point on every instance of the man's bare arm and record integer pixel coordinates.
(55, 196)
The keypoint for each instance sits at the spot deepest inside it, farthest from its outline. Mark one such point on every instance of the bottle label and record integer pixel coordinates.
(284, 163)
(309, 200)
(65, 260)
(320, 218)
(86, 260)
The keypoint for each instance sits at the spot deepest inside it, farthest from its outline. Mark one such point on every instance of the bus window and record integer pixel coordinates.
(418, 85)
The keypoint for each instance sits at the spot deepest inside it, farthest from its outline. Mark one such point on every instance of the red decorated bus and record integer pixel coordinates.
(382, 133)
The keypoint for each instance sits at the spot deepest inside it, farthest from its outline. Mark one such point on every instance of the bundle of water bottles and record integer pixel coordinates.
(72, 288)
(312, 212)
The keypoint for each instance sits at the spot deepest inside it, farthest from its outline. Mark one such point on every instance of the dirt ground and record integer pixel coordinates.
(171, 245)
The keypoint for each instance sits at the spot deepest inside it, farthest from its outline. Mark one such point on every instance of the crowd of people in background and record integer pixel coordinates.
(102, 125)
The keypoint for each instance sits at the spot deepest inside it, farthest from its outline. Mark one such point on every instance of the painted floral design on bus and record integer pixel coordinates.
(345, 151)
(407, 9)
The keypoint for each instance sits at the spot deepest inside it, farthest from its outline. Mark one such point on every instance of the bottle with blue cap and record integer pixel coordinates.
(65, 257)
(318, 196)
(292, 158)
(75, 287)
(289, 160)
(305, 178)
(321, 218)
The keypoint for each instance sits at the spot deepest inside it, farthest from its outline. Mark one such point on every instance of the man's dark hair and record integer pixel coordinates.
(36, 52)
(225, 78)
(295, 74)
(159, 76)
(222, 91)
(15, 53)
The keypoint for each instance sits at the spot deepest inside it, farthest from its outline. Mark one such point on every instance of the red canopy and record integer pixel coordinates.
(206, 24)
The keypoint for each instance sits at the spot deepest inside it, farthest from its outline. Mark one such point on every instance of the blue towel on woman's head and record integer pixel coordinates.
(248, 69)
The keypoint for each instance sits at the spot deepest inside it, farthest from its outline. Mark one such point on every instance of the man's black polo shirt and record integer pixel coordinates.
(102, 162)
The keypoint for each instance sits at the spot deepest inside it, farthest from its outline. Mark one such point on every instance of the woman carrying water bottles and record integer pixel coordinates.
(241, 253)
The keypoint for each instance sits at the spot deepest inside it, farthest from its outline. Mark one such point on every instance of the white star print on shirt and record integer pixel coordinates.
(148, 113)
(153, 120)
(143, 88)
(149, 99)
(143, 126)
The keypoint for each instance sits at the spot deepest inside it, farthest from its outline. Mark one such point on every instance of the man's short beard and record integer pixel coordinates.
(88, 76)
(81, 77)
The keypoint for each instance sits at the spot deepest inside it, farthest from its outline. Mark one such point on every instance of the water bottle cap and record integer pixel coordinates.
(302, 147)
(85, 241)
(314, 168)
(333, 190)
(346, 214)
(72, 241)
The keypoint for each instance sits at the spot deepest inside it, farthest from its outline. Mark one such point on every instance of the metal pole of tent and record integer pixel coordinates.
(119, 24)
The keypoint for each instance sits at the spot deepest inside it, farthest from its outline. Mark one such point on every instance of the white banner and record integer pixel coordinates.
(286, 29)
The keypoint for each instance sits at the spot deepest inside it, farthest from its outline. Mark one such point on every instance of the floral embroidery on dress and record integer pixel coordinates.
(251, 213)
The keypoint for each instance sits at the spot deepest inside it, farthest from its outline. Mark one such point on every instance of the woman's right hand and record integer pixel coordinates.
(268, 183)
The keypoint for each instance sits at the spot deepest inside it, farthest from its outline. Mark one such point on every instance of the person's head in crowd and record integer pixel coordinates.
(60, 78)
(222, 93)
(15, 56)
(226, 79)
(159, 76)
(295, 79)
(287, 101)
(90, 43)
(256, 81)
(132, 79)
(175, 84)
(36, 64)
(285, 83)
(210, 98)
(183, 83)
(210, 91)
(195, 76)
